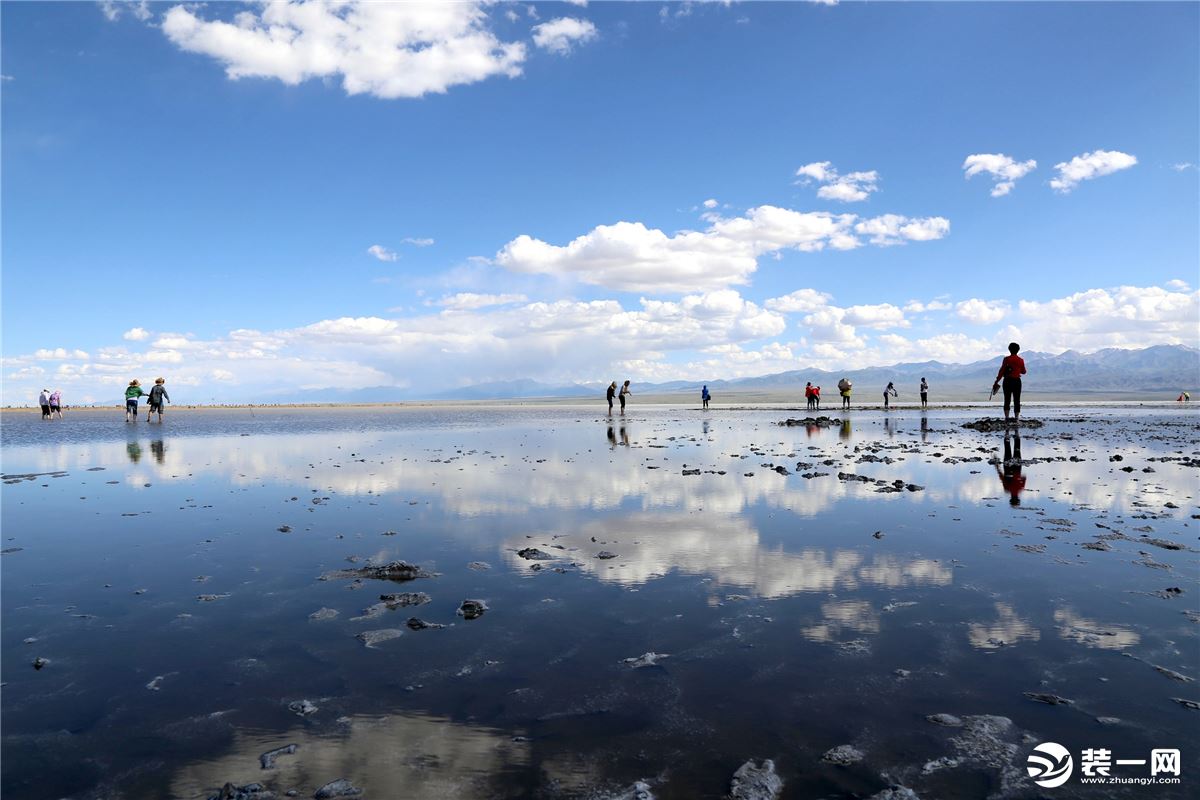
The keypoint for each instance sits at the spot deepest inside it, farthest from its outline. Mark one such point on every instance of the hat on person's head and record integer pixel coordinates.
(160, 380)
(134, 382)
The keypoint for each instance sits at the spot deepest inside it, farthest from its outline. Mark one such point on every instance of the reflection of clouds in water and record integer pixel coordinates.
(477, 483)
(726, 548)
(1092, 633)
(430, 757)
(854, 615)
(1085, 483)
(1008, 629)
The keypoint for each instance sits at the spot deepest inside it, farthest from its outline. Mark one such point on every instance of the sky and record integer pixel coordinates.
(257, 200)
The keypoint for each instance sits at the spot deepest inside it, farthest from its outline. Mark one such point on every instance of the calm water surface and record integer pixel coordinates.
(789, 624)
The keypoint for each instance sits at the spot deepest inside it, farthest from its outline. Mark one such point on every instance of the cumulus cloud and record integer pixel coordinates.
(799, 301)
(1088, 166)
(560, 35)
(417, 242)
(382, 253)
(982, 312)
(469, 301)
(136, 335)
(112, 9)
(893, 229)
(1124, 316)
(629, 256)
(59, 353)
(918, 307)
(710, 203)
(389, 50)
(1005, 170)
(849, 188)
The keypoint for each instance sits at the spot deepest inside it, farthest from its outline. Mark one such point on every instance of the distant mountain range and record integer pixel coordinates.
(1150, 371)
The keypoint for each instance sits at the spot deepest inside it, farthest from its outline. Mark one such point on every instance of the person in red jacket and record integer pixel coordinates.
(1011, 370)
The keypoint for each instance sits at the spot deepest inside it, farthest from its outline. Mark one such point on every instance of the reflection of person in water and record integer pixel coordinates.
(612, 437)
(158, 450)
(624, 437)
(1010, 476)
(924, 429)
(845, 431)
(134, 450)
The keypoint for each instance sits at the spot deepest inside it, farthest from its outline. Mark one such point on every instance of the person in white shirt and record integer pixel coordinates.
(44, 402)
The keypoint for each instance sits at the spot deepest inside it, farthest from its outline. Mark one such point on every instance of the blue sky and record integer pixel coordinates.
(184, 196)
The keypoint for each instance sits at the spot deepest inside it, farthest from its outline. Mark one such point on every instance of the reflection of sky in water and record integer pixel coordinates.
(740, 578)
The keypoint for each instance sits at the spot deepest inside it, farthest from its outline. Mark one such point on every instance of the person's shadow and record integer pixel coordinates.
(1009, 471)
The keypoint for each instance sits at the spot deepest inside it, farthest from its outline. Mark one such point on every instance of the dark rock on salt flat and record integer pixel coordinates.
(479, 566)
(895, 793)
(418, 624)
(533, 554)
(208, 598)
(947, 720)
(472, 609)
(250, 791)
(339, 788)
(403, 599)
(322, 614)
(372, 638)
(650, 659)
(691, 472)
(755, 782)
(1163, 543)
(267, 759)
(604, 554)
(40, 662)
(1048, 699)
(1188, 704)
(990, 424)
(302, 707)
(391, 571)
(1172, 674)
(843, 755)
(820, 422)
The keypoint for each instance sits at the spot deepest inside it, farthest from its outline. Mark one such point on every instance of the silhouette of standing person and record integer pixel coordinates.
(1011, 370)
(705, 396)
(924, 394)
(612, 391)
(1011, 477)
(844, 386)
(624, 391)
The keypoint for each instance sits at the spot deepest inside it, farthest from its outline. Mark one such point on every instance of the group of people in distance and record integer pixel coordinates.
(155, 399)
(51, 403)
(1008, 379)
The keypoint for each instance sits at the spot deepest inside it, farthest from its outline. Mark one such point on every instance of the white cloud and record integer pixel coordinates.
(580, 3)
(1178, 285)
(893, 229)
(560, 35)
(382, 253)
(60, 353)
(1088, 166)
(799, 301)
(1125, 316)
(136, 335)
(982, 312)
(628, 256)
(389, 50)
(1005, 171)
(917, 307)
(417, 242)
(112, 9)
(1179, 167)
(710, 203)
(469, 301)
(849, 188)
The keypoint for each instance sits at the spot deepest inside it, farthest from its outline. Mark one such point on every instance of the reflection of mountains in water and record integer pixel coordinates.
(725, 548)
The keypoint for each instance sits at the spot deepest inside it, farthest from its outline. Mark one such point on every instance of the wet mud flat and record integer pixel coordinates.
(554, 603)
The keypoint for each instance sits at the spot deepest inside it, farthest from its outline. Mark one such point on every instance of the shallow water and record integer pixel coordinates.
(783, 617)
